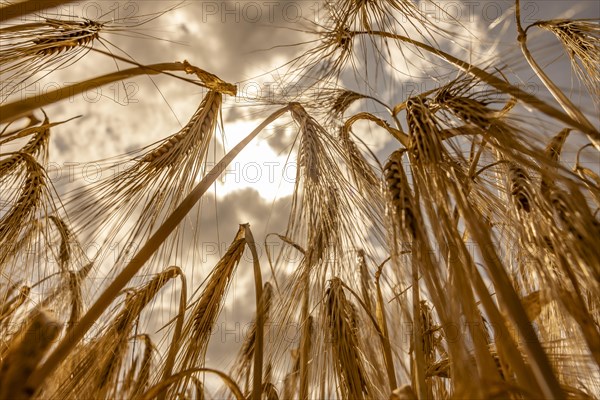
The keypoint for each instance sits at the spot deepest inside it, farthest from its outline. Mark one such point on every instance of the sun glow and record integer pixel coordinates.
(258, 166)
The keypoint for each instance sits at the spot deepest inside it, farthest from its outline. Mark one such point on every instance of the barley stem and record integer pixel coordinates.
(260, 318)
(20, 108)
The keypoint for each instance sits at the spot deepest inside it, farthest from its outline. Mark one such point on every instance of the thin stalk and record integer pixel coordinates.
(396, 133)
(142, 256)
(20, 108)
(392, 114)
(418, 334)
(305, 340)
(260, 318)
(385, 337)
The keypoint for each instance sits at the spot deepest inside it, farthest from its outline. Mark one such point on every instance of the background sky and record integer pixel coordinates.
(244, 42)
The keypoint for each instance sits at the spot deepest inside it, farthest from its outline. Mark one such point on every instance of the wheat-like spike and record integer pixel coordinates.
(581, 40)
(365, 282)
(321, 207)
(37, 146)
(206, 310)
(425, 136)
(158, 180)
(142, 381)
(14, 223)
(336, 101)
(242, 365)
(64, 254)
(9, 164)
(98, 367)
(138, 299)
(39, 48)
(470, 108)
(117, 335)
(26, 351)
(553, 151)
(520, 187)
(400, 194)
(198, 129)
(31, 48)
(362, 172)
(344, 342)
(309, 143)
(66, 34)
(344, 100)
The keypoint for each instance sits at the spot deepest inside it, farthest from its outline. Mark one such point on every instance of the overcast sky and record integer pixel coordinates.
(237, 40)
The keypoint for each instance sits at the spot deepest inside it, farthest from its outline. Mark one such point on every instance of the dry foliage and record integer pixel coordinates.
(464, 265)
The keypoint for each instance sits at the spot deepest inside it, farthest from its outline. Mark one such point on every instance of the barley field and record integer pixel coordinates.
(438, 236)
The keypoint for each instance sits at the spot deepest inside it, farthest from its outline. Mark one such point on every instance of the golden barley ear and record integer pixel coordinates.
(520, 187)
(197, 329)
(553, 151)
(31, 49)
(581, 40)
(425, 137)
(400, 193)
(346, 353)
(136, 193)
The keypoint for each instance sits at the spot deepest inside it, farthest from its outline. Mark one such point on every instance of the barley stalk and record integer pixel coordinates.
(20, 108)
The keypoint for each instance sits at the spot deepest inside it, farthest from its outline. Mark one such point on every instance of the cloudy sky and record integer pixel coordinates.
(244, 42)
